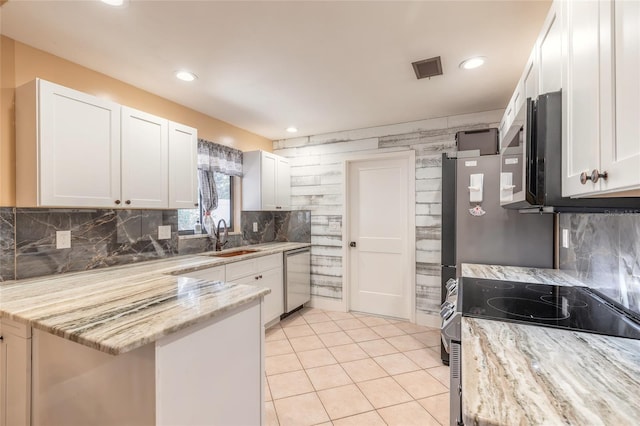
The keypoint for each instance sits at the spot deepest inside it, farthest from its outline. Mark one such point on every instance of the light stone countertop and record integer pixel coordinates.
(515, 374)
(118, 309)
(521, 274)
(522, 374)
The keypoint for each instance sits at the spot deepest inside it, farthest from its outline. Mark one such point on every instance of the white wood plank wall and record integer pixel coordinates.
(316, 185)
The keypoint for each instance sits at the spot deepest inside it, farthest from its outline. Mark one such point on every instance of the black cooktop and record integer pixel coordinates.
(574, 308)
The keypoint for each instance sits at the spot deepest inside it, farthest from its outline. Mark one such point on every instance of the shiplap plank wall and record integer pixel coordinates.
(317, 184)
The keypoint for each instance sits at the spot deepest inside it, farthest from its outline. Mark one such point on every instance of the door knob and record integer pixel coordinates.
(352, 244)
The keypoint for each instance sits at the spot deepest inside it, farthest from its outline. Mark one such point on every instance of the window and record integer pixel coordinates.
(224, 185)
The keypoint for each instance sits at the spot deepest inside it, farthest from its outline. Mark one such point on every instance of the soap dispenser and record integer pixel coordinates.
(197, 228)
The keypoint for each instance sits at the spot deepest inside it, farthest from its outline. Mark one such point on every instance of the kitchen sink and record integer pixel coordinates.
(233, 253)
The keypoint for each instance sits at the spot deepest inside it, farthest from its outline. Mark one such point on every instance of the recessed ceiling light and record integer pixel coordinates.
(292, 129)
(113, 2)
(472, 63)
(185, 76)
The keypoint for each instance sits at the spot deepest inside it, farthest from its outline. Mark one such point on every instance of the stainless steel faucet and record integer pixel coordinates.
(216, 233)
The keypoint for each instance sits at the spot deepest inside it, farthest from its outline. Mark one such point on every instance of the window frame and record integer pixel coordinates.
(232, 206)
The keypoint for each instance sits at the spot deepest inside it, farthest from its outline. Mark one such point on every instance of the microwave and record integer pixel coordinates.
(531, 164)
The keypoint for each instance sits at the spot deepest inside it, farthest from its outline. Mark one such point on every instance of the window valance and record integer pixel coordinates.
(213, 157)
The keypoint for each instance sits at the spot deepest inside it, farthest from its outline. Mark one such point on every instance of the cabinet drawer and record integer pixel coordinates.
(17, 329)
(270, 262)
(241, 269)
(212, 274)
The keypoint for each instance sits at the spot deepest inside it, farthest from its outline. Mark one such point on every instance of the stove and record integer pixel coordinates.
(572, 308)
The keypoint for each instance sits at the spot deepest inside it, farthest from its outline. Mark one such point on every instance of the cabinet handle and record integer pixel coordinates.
(1, 338)
(260, 276)
(256, 277)
(127, 202)
(118, 202)
(195, 204)
(595, 176)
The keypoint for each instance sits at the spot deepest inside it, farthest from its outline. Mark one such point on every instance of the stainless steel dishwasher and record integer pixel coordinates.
(297, 278)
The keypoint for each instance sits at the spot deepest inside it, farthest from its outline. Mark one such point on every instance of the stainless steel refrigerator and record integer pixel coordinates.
(482, 231)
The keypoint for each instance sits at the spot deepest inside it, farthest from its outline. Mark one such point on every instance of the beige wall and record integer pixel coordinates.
(20, 64)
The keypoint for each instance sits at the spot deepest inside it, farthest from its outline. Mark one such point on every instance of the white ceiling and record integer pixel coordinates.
(322, 66)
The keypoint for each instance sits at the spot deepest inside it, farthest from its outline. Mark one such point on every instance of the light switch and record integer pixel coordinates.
(255, 226)
(565, 238)
(164, 232)
(63, 239)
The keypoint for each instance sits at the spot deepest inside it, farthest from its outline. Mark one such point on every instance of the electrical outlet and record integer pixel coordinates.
(164, 232)
(565, 238)
(255, 226)
(63, 239)
(334, 226)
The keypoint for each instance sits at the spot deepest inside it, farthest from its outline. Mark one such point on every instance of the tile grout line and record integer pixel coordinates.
(369, 356)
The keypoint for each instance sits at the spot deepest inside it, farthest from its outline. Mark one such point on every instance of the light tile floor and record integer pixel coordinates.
(337, 368)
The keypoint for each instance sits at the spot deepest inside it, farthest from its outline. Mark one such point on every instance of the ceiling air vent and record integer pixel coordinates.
(428, 67)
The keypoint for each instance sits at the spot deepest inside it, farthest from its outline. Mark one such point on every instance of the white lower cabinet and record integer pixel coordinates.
(266, 272)
(15, 373)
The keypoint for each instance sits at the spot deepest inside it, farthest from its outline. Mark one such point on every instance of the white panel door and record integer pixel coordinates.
(183, 167)
(145, 152)
(581, 108)
(269, 167)
(79, 148)
(620, 154)
(379, 264)
(283, 184)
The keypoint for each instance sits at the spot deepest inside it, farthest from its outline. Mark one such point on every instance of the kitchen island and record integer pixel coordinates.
(142, 344)
(521, 374)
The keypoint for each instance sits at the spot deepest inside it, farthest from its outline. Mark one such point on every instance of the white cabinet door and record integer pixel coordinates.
(15, 374)
(530, 79)
(269, 172)
(183, 168)
(581, 108)
(145, 166)
(213, 372)
(620, 149)
(79, 148)
(274, 301)
(550, 51)
(266, 182)
(283, 185)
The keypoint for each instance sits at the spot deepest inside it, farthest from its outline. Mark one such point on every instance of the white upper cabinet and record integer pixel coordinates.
(283, 184)
(266, 181)
(68, 148)
(620, 145)
(77, 150)
(183, 157)
(581, 110)
(542, 74)
(145, 163)
(601, 146)
(549, 51)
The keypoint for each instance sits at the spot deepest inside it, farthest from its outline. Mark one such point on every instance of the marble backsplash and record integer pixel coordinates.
(604, 252)
(102, 238)
(7, 244)
(282, 226)
(99, 238)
